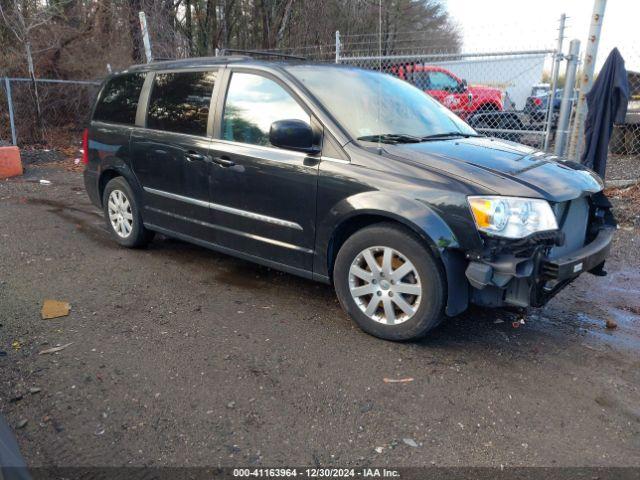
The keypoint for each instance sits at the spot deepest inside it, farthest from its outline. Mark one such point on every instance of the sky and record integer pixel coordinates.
(498, 25)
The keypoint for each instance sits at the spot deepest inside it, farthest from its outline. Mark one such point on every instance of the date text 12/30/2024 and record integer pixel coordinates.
(315, 472)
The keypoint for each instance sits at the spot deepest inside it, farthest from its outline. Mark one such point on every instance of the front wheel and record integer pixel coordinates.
(389, 283)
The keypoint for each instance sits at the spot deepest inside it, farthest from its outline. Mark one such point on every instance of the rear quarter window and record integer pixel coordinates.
(118, 101)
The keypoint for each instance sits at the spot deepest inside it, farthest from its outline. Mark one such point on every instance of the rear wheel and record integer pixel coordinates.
(122, 215)
(389, 283)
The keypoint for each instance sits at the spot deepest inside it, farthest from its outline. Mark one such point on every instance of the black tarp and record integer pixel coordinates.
(607, 102)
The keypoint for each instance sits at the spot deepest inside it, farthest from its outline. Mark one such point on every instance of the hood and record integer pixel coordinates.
(484, 90)
(502, 167)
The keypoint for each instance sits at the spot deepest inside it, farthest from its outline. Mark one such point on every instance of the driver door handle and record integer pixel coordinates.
(223, 161)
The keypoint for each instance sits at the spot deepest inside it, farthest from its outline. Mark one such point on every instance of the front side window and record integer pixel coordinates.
(253, 104)
(442, 81)
(421, 80)
(179, 102)
(118, 101)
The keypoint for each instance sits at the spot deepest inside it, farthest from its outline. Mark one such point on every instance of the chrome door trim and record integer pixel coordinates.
(336, 160)
(224, 208)
(231, 230)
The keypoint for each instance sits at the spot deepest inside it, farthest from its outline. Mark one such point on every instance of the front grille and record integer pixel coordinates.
(573, 219)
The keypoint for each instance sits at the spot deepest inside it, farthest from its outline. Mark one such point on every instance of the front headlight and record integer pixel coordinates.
(512, 217)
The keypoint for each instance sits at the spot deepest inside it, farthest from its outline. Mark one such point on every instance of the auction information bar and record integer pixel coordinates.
(316, 472)
(404, 473)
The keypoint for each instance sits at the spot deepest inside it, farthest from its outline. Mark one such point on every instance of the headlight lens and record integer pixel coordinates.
(512, 217)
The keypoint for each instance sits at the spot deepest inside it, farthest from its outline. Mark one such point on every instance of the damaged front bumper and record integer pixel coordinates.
(525, 273)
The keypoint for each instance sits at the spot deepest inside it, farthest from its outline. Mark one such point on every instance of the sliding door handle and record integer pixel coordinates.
(223, 161)
(190, 156)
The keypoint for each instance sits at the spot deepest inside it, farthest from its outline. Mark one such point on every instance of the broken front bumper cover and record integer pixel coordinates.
(532, 280)
(586, 259)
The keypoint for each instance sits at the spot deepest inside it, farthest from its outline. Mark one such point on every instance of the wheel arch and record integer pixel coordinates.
(362, 219)
(117, 168)
(413, 215)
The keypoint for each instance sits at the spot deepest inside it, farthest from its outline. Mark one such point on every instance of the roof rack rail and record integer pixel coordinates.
(224, 51)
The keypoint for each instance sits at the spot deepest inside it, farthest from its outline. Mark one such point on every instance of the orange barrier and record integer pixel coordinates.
(10, 163)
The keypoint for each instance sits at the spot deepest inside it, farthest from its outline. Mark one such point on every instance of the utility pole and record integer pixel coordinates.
(145, 37)
(562, 131)
(586, 79)
(554, 81)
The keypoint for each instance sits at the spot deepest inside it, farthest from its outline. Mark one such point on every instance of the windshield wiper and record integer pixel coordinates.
(394, 138)
(437, 136)
(391, 138)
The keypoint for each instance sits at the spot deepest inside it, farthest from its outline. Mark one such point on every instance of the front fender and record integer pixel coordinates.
(415, 215)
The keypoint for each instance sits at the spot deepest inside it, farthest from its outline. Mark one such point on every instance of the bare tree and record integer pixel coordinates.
(22, 21)
(77, 39)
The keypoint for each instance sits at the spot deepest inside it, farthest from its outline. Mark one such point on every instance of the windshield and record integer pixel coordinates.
(373, 106)
(539, 91)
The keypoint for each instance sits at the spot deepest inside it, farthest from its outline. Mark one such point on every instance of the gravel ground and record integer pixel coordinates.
(623, 168)
(181, 356)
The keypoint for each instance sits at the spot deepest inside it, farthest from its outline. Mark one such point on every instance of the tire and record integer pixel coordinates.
(126, 228)
(426, 277)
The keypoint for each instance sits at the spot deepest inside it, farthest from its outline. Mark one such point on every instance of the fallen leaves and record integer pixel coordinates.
(630, 193)
(626, 204)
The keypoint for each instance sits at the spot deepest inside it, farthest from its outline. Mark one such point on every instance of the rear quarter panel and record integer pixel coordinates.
(109, 150)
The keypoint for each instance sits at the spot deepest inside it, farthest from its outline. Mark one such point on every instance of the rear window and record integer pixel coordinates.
(119, 99)
(180, 101)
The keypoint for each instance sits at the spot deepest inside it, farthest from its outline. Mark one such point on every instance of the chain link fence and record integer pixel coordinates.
(504, 93)
(64, 109)
(625, 139)
(501, 94)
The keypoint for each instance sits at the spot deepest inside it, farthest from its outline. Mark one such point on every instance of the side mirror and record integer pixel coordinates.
(463, 85)
(292, 135)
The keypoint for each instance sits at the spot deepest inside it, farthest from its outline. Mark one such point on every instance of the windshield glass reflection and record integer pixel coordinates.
(369, 104)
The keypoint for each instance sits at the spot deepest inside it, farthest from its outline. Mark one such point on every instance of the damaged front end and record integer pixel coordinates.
(530, 271)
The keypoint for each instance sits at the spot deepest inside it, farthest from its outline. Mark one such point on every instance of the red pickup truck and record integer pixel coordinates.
(450, 90)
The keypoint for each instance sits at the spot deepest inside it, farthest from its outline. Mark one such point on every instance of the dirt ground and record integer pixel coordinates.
(177, 355)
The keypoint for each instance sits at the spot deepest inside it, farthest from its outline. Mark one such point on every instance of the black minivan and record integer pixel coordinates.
(345, 176)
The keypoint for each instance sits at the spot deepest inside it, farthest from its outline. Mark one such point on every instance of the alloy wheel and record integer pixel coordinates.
(385, 285)
(120, 214)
